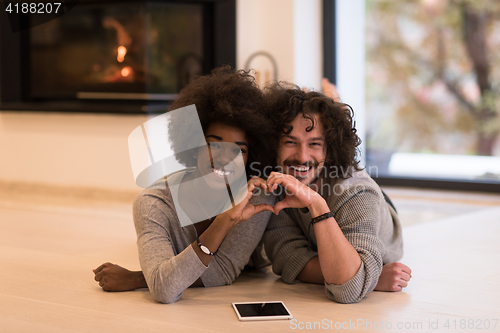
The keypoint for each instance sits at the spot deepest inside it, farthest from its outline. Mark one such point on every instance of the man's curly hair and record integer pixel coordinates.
(232, 98)
(284, 101)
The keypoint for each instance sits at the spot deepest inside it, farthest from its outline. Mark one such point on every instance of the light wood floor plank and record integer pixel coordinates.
(46, 280)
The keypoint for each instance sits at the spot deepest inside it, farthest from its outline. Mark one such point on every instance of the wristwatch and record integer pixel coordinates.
(204, 249)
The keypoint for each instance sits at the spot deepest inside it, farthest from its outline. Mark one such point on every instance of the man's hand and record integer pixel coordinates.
(112, 277)
(394, 277)
(297, 195)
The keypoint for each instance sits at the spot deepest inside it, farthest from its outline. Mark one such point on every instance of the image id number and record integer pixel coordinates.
(33, 8)
(471, 324)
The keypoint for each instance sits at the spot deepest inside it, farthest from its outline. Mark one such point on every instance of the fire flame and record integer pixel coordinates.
(126, 71)
(122, 51)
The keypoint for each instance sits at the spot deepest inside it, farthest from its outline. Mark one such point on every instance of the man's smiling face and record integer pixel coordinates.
(302, 153)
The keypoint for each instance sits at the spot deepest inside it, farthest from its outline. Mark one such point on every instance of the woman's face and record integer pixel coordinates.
(225, 158)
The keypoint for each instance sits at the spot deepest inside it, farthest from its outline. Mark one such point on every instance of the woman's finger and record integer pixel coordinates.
(98, 269)
(98, 276)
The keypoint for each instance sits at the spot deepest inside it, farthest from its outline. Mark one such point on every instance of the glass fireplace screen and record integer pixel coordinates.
(126, 51)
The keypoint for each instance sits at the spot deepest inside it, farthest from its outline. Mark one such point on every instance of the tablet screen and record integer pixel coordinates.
(261, 309)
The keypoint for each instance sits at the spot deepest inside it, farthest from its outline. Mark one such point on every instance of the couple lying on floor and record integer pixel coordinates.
(276, 167)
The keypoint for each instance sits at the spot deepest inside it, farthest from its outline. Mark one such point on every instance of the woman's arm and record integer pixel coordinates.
(169, 263)
(239, 244)
(167, 271)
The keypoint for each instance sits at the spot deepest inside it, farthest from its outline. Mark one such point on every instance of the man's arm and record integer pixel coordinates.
(349, 250)
(338, 259)
(394, 276)
(357, 212)
(286, 247)
(311, 273)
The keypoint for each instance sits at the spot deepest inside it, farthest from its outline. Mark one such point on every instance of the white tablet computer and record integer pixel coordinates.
(262, 311)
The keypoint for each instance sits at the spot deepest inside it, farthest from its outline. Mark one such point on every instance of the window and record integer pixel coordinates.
(432, 80)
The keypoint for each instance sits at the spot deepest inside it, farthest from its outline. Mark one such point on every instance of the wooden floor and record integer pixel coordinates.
(48, 251)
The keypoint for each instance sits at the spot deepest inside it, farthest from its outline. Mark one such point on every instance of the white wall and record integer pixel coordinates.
(90, 150)
(308, 43)
(64, 149)
(265, 25)
(289, 30)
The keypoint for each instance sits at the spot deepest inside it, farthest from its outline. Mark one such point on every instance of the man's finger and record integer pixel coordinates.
(273, 182)
(406, 269)
(275, 175)
(405, 277)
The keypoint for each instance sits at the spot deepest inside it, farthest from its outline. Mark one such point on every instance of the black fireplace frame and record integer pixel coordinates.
(220, 29)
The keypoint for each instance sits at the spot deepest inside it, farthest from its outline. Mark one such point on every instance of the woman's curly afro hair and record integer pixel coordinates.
(232, 98)
(284, 101)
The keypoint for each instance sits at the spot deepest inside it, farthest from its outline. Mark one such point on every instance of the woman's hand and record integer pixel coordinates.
(112, 277)
(245, 209)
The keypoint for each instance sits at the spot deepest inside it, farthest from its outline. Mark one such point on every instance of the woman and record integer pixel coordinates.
(214, 251)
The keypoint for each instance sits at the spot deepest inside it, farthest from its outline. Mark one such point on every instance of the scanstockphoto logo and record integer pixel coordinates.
(204, 180)
(23, 15)
(331, 172)
(326, 187)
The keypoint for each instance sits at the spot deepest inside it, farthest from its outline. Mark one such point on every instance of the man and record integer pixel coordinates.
(333, 224)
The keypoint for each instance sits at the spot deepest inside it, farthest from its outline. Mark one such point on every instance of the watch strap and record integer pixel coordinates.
(322, 217)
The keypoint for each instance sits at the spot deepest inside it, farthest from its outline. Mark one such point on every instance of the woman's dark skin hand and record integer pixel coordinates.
(112, 277)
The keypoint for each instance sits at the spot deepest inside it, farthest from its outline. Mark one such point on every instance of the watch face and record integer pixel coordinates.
(205, 249)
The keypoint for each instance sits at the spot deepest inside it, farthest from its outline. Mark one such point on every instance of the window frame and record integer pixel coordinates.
(330, 72)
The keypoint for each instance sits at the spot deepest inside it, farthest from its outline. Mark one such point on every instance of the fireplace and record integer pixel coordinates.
(115, 56)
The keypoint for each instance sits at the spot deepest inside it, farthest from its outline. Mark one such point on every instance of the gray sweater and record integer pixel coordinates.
(169, 263)
(366, 220)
